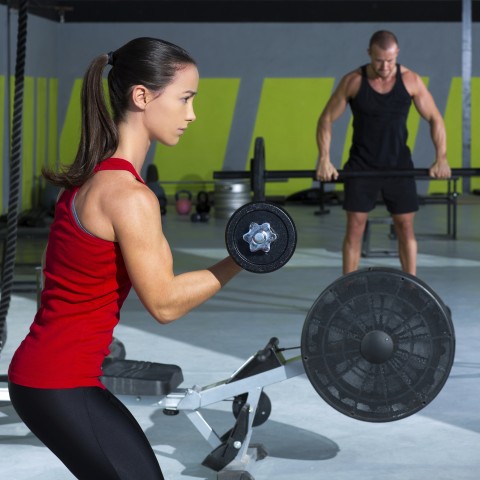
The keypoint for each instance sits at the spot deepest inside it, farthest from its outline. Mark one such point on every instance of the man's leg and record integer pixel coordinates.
(407, 243)
(352, 243)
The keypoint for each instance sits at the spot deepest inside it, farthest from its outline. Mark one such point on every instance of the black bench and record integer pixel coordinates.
(138, 378)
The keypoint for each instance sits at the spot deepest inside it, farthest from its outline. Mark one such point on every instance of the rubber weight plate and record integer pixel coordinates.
(260, 213)
(378, 345)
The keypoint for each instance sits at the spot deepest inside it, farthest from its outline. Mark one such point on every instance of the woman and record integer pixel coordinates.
(106, 237)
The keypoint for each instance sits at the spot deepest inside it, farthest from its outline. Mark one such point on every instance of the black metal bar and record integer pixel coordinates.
(449, 209)
(417, 172)
(278, 174)
(454, 223)
(322, 210)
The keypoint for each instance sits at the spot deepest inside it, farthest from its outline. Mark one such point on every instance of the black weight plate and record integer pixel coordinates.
(378, 345)
(281, 249)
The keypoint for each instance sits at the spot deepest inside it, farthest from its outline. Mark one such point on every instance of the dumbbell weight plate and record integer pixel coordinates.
(281, 249)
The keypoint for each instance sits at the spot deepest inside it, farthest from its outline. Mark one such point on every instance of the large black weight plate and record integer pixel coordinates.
(281, 249)
(378, 345)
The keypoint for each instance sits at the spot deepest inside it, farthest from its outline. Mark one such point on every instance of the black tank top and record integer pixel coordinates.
(380, 127)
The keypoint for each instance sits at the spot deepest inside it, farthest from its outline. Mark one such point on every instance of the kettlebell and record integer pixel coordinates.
(203, 202)
(183, 202)
(202, 208)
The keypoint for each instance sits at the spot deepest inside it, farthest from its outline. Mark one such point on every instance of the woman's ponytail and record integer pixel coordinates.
(98, 137)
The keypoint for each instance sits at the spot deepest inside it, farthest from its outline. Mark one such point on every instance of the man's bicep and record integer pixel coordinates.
(334, 108)
(423, 99)
(337, 104)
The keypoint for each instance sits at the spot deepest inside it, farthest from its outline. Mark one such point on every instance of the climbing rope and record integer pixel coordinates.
(10, 251)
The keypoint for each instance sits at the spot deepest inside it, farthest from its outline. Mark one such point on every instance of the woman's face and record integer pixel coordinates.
(168, 114)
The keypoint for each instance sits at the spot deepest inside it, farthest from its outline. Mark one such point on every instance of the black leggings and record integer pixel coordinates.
(89, 430)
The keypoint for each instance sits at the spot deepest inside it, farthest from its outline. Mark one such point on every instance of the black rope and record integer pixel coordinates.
(10, 251)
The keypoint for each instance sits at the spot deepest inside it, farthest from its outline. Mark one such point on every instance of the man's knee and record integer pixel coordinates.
(404, 227)
(356, 222)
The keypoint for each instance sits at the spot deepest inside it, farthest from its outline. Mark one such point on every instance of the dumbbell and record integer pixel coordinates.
(261, 237)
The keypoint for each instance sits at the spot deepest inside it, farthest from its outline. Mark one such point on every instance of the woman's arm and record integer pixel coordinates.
(149, 260)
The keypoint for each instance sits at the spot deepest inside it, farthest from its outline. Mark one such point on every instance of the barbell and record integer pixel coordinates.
(258, 174)
(377, 345)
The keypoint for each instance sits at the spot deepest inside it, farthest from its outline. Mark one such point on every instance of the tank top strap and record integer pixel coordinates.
(363, 69)
(398, 75)
(118, 164)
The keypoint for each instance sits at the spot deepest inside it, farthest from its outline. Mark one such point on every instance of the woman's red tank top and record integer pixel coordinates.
(86, 283)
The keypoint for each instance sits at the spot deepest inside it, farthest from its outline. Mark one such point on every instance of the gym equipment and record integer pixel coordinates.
(203, 202)
(183, 202)
(199, 217)
(369, 252)
(202, 208)
(261, 237)
(377, 345)
(258, 175)
(257, 169)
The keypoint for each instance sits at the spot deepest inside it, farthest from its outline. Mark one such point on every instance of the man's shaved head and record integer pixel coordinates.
(384, 39)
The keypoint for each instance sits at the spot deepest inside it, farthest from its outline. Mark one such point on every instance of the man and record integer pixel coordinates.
(380, 95)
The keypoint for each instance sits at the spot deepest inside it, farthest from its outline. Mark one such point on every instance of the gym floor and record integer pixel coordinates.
(305, 437)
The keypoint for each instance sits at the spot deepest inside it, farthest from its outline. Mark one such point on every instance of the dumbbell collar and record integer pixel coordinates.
(260, 237)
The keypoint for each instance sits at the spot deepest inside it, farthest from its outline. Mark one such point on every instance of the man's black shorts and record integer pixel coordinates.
(398, 193)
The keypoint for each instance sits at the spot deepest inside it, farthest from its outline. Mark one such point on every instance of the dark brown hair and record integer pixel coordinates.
(143, 61)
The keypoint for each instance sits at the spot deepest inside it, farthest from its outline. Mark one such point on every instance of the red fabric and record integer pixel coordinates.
(86, 283)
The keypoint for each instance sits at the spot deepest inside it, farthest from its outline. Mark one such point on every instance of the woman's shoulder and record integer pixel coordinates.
(117, 191)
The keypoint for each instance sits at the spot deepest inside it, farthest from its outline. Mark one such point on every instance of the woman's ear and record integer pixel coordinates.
(139, 96)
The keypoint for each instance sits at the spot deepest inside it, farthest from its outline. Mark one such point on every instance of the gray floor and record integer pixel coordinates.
(304, 436)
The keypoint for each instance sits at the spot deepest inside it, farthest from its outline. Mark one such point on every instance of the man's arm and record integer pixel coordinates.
(334, 108)
(426, 107)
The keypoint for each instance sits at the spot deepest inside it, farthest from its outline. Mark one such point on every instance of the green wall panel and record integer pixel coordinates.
(70, 135)
(41, 128)
(52, 119)
(28, 142)
(71, 127)
(201, 150)
(287, 119)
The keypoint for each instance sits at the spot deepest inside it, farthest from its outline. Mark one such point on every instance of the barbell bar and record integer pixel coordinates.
(258, 174)
(343, 174)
